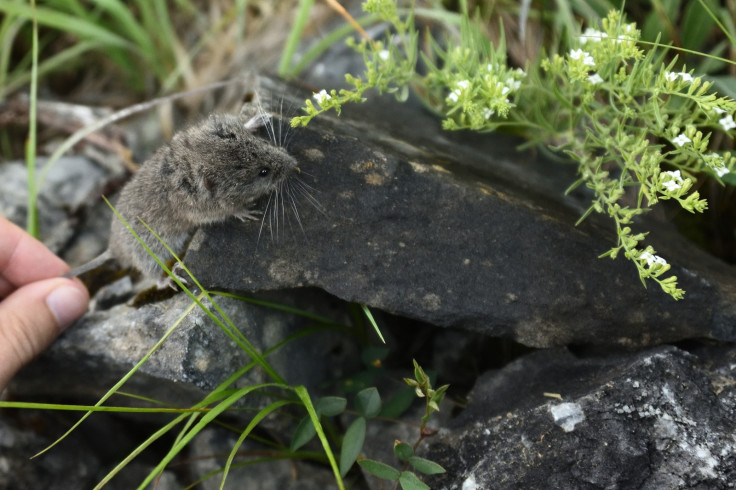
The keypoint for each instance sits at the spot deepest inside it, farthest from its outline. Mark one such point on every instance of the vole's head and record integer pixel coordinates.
(235, 166)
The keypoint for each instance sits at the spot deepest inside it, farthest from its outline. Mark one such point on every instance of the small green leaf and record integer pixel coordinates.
(330, 406)
(425, 466)
(304, 433)
(379, 470)
(368, 402)
(409, 481)
(398, 404)
(352, 444)
(403, 451)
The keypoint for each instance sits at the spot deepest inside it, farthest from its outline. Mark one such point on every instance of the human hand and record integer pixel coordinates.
(36, 303)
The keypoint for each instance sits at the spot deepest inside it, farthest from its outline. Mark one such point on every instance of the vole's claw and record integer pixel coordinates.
(251, 214)
(168, 281)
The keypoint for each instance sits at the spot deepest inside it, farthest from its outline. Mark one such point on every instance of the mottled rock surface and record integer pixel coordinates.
(662, 418)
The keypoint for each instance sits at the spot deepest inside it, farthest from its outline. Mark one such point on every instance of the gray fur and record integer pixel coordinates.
(205, 174)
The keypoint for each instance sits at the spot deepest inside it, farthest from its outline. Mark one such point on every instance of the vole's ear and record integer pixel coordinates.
(255, 122)
(253, 115)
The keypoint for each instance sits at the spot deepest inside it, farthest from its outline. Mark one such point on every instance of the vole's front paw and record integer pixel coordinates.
(168, 281)
(251, 214)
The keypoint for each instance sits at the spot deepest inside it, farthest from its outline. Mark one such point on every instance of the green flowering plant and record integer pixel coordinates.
(638, 128)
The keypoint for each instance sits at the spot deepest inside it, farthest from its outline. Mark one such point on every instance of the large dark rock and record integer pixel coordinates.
(658, 419)
(460, 230)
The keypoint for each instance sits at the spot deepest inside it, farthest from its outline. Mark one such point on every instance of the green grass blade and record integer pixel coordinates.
(124, 379)
(128, 24)
(203, 422)
(277, 306)
(133, 454)
(67, 23)
(303, 395)
(63, 59)
(9, 29)
(32, 219)
(372, 320)
(323, 44)
(95, 408)
(292, 41)
(253, 423)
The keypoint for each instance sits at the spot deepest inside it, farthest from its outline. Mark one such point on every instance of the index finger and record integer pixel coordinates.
(23, 259)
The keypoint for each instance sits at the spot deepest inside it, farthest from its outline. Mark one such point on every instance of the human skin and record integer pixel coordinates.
(36, 304)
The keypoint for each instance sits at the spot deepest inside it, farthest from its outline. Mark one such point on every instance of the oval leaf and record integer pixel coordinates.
(409, 481)
(303, 434)
(368, 402)
(425, 466)
(330, 406)
(403, 451)
(379, 470)
(352, 444)
(398, 403)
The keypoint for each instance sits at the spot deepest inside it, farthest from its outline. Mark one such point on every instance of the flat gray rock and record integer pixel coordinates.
(460, 230)
(197, 356)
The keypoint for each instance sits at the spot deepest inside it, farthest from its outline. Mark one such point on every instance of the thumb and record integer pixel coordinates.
(33, 316)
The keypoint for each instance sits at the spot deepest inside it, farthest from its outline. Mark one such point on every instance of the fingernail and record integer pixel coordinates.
(67, 303)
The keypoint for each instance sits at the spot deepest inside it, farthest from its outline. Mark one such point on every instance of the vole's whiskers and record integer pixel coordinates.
(307, 191)
(263, 219)
(289, 189)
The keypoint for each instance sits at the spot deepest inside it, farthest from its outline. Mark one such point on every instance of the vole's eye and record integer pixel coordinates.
(264, 171)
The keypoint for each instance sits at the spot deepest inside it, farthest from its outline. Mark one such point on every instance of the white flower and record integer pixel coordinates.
(504, 88)
(487, 113)
(595, 79)
(384, 55)
(674, 175)
(322, 96)
(681, 140)
(718, 110)
(577, 54)
(592, 35)
(514, 84)
(727, 122)
(672, 76)
(674, 182)
(520, 72)
(715, 162)
(455, 94)
(652, 259)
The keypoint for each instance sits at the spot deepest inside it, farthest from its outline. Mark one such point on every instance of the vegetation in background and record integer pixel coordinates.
(637, 121)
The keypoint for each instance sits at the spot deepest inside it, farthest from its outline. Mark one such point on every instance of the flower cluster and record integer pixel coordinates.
(639, 130)
(473, 101)
(620, 103)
